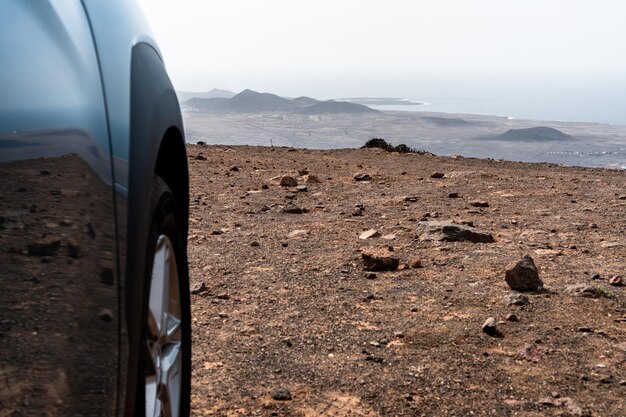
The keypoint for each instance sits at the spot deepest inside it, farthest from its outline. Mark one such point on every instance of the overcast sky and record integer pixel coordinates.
(279, 43)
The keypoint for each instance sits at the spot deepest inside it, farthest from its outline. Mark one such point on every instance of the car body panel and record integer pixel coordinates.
(58, 277)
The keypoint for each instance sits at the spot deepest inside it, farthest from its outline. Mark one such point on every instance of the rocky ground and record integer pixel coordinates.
(288, 321)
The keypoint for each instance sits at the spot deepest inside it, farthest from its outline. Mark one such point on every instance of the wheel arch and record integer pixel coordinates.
(157, 147)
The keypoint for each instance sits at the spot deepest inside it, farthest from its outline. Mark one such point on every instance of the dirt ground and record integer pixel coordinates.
(298, 311)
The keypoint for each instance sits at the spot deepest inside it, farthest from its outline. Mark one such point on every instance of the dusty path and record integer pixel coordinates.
(300, 312)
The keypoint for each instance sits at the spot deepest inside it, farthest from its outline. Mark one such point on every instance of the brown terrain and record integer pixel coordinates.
(288, 322)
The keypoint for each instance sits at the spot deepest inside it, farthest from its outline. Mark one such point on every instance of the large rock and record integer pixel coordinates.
(523, 275)
(287, 181)
(451, 232)
(379, 260)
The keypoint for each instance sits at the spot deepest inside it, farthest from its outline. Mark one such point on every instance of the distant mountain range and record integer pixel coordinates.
(249, 101)
(215, 93)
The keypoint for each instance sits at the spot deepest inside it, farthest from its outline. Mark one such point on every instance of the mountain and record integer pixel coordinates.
(534, 134)
(249, 101)
(337, 107)
(214, 93)
(305, 101)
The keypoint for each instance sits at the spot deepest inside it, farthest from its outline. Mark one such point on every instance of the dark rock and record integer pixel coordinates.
(512, 317)
(415, 263)
(379, 260)
(489, 326)
(357, 212)
(255, 244)
(523, 275)
(200, 157)
(451, 232)
(45, 247)
(291, 209)
(453, 195)
(437, 175)
(287, 181)
(265, 186)
(281, 394)
(105, 315)
(362, 177)
(479, 204)
(596, 276)
(234, 168)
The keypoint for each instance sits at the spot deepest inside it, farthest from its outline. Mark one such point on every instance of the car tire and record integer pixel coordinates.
(164, 383)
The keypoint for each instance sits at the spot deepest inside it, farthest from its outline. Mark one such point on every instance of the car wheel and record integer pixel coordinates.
(165, 370)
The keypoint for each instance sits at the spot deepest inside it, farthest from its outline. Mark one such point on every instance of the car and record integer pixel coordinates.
(94, 283)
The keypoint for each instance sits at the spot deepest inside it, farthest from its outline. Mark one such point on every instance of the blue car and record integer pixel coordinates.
(94, 287)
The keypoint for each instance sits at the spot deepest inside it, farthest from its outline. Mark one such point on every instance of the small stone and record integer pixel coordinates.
(596, 276)
(281, 394)
(489, 326)
(398, 334)
(105, 315)
(303, 172)
(297, 233)
(302, 188)
(516, 299)
(379, 260)
(292, 209)
(311, 179)
(453, 195)
(410, 199)
(369, 234)
(512, 317)
(265, 187)
(255, 243)
(362, 177)
(375, 344)
(371, 275)
(479, 204)
(437, 175)
(451, 232)
(234, 168)
(523, 275)
(357, 212)
(44, 247)
(287, 181)
(616, 281)
(222, 315)
(583, 290)
(415, 263)
(585, 329)
(198, 288)
(200, 157)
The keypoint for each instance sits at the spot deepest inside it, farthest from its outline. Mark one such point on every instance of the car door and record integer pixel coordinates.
(59, 315)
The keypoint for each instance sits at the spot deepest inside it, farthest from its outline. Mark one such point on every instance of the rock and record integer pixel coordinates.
(616, 281)
(437, 175)
(371, 275)
(287, 181)
(516, 299)
(453, 195)
(489, 326)
(415, 263)
(311, 179)
(583, 290)
(595, 276)
(255, 243)
(303, 172)
(361, 176)
(523, 275)
(512, 317)
(73, 248)
(265, 187)
(44, 247)
(479, 204)
(369, 234)
(379, 260)
(291, 209)
(585, 329)
(611, 245)
(302, 188)
(198, 288)
(200, 157)
(297, 233)
(451, 232)
(358, 212)
(106, 315)
(410, 199)
(281, 394)
(234, 168)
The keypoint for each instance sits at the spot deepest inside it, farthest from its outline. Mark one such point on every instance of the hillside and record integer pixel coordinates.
(287, 321)
(534, 134)
(214, 93)
(337, 107)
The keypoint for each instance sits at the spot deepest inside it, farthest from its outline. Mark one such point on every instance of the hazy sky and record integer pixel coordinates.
(279, 44)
